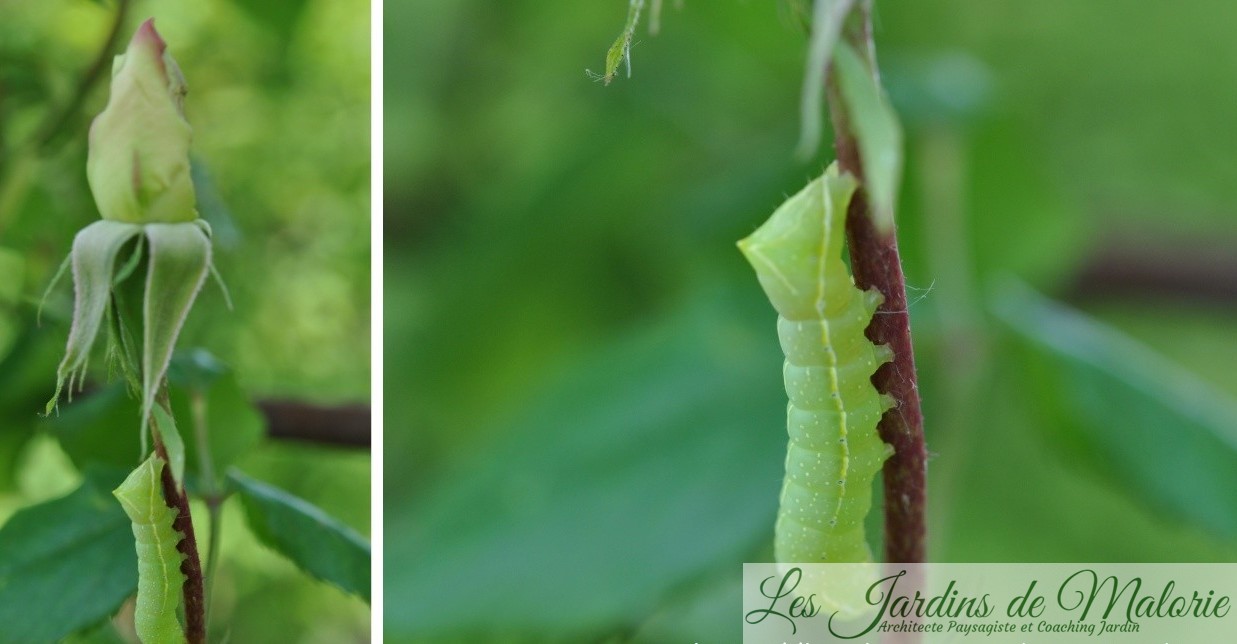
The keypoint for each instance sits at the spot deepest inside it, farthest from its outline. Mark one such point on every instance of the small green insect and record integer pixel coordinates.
(834, 450)
(159, 579)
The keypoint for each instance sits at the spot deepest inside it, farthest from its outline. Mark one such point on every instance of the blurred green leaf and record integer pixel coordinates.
(195, 369)
(949, 88)
(319, 544)
(104, 633)
(65, 564)
(234, 426)
(654, 460)
(278, 16)
(12, 273)
(1168, 437)
(211, 206)
(700, 613)
(13, 440)
(100, 428)
(876, 130)
(25, 380)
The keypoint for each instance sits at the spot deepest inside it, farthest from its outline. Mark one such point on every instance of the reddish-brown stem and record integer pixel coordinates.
(177, 499)
(876, 264)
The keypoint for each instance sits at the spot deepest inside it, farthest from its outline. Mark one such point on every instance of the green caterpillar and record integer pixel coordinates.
(159, 578)
(834, 449)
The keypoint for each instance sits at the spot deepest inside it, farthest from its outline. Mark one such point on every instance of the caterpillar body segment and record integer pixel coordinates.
(159, 578)
(834, 450)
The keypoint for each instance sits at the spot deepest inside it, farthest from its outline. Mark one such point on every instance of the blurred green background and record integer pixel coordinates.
(279, 102)
(585, 427)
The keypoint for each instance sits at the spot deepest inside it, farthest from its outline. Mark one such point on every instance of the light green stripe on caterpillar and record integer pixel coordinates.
(159, 579)
(834, 450)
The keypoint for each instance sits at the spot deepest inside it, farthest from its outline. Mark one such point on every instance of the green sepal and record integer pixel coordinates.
(94, 261)
(130, 265)
(179, 262)
(64, 268)
(876, 129)
(826, 28)
(214, 272)
(172, 442)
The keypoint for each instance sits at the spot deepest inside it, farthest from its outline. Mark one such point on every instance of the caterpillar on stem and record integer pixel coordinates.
(834, 449)
(159, 578)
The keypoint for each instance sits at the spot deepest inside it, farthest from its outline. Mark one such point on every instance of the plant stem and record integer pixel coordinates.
(178, 499)
(56, 121)
(214, 505)
(197, 403)
(16, 165)
(335, 425)
(876, 264)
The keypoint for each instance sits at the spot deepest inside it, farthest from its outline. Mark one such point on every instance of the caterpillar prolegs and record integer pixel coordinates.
(159, 578)
(834, 450)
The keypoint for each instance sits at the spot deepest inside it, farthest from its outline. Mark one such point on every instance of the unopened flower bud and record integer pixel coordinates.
(138, 159)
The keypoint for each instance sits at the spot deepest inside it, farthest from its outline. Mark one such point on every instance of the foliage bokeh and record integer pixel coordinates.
(279, 102)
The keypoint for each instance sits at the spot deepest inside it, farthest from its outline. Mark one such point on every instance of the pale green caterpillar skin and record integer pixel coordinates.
(834, 449)
(159, 579)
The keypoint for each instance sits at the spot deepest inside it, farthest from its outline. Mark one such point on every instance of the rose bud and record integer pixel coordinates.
(138, 158)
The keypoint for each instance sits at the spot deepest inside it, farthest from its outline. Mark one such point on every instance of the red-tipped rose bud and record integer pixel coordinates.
(138, 161)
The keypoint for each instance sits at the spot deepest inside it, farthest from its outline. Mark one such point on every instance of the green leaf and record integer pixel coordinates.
(1167, 437)
(98, 429)
(317, 543)
(65, 564)
(234, 425)
(828, 16)
(126, 270)
(51, 286)
(654, 460)
(877, 130)
(94, 262)
(104, 633)
(179, 262)
(95, 429)
(213, 209)
(195, 369)
(13, 268)
(280, 17)
(23, 381)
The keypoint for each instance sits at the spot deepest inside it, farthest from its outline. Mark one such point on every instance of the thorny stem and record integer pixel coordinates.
(178, 499)
(876, 263)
